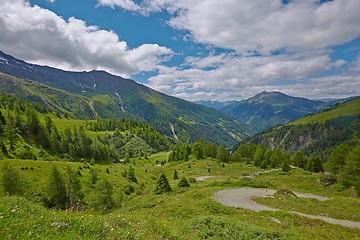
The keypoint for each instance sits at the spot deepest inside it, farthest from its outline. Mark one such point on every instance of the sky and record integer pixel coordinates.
(195, 50)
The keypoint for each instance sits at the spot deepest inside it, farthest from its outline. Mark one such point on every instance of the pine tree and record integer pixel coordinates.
(210, 150)
(74, 194)
(183, 182)
(258, 156)
(103, 197)
(198, 149)
(56, 195)
(299, 159)
(350, 174)
(223, 154)
(11, 180)
(162, 185)
(336, 160)
(130, 175)
(10, 131)
(175, 175)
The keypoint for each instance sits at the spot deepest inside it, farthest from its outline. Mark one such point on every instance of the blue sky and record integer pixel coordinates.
(196, 50)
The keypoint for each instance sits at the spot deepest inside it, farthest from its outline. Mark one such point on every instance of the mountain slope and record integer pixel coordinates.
(318, 133)
(269, 109)
(215, 104)
(112, 96)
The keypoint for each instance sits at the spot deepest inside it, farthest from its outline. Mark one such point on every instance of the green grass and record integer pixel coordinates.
(350, 108)
(188, 213)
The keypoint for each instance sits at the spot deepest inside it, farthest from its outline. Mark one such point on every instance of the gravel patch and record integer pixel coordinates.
(242, 198)
(202, 178)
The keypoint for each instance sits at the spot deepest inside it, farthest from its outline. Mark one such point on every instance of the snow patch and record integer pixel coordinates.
(3, 59)
(121, 102)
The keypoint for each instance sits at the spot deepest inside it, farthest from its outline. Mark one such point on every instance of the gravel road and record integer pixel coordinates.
(242, 198)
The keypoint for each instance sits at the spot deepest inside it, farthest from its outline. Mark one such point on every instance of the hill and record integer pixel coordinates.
(318, 133)
(269, 109)
(104, 95)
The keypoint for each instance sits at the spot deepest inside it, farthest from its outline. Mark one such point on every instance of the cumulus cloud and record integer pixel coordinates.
(40, 36)
(236, 77)
(262, 25)
(274, 46)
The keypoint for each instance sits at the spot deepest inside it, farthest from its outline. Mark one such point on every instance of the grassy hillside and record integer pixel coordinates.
(185, 213)
(350, 108)
(318, 133)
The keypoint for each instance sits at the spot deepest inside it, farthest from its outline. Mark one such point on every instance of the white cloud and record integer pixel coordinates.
(40, 36)
(125, 4)
(260, 25)
(237, 77)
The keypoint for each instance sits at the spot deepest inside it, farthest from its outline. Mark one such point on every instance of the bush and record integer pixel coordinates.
(192, 180)
(128, 189)
(327, 179)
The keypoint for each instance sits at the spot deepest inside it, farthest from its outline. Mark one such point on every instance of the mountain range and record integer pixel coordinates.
(98, 94)
(269, 109)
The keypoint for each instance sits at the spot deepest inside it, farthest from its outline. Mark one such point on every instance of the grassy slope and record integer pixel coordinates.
(349, 108)
(183, 214)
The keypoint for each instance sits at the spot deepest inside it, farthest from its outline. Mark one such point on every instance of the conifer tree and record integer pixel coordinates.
(162, 185)
(11, 180)
(73, 187)
(223, 154)
(183, 182)
(56, 195)
(350, 174)
(258, 156)
(175, 175)
(10, 131)
(103, 197)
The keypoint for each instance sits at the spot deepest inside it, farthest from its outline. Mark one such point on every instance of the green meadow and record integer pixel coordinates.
(183, 213)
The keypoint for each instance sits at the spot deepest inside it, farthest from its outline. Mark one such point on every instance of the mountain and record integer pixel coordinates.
(215, 104)
(87, 95)
(317, 133)
(269, 109)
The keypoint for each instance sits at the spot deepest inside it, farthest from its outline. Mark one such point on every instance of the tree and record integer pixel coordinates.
(183, 182)
(74, 194)
(11, 180)
(336, 160)
(175, 175)
(10, 131)
(210, 150)
(103, 197)
(258, 156)
(162, 185)
(223, 154)
(350, 174)
(198, 149)
(299, 159)
(56, 195)
(285, 166)
(130, 175)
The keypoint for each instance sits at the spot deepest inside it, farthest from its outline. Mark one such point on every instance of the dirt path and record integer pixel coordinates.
(242, 198)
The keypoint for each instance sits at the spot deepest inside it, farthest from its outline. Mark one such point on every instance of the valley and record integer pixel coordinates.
(117, 160)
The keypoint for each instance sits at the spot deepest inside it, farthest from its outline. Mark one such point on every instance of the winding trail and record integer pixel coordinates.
(242, 198)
